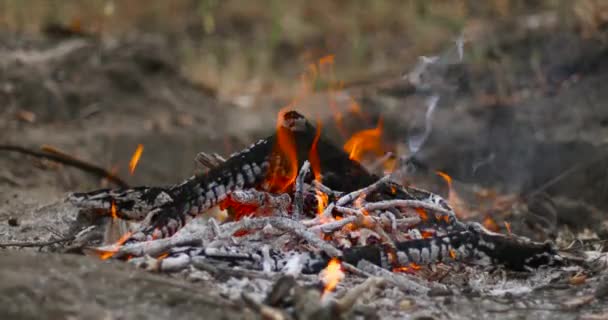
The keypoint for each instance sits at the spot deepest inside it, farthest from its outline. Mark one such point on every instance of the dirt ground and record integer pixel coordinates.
(508, 126)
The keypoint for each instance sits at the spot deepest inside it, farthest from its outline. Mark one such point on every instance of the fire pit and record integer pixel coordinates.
(296, 226)
(298, 205)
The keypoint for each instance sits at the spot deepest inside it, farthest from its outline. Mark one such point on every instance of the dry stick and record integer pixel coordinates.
(355, 194)
(154, 247)
(174, 264)
(334, 225)
(68, 160)
(298, 197)
(407, 222)
(328, 210)
(284, 224)
(209, 161)
(325, 215)
(325, 189)
(380, 205)
(354, 270)
(169, 264)
(348, 211)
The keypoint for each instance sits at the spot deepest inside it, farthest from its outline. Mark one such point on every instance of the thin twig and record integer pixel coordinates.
(63, 158)
(325, 189)
(154, 247)
(29, 244)
(364, 191)
(567, 172)
(334, 225)
(298, 197)
(405, 203)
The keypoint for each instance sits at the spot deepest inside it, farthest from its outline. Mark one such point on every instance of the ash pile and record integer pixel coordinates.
(293, 227)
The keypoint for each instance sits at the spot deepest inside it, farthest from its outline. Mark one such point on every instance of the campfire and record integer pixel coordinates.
(298, 205)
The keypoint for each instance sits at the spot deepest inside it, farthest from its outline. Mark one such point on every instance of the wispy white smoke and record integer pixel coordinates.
(415, 142)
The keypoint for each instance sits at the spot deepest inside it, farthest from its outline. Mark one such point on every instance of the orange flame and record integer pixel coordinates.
(445, 177)
(313, 155)
(322, 200)
(508, 227)
(107, 254)
(427, 234)
(135, 158)
(453, 199)
(490, 224)
(422, 213)
(453, 254)
(365, 142)
(283, 175)
(326, 60)
(332, 275)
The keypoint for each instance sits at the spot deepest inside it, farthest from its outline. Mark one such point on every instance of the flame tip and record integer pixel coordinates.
(135, 158)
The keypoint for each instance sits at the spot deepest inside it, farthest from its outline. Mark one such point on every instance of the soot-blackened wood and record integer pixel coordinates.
(166, 210)
(170, 208)
(473, 245)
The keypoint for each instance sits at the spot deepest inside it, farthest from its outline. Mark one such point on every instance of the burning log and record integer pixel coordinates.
(357, 215)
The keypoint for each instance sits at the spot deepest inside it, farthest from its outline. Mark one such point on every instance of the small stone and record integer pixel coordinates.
(13, 222)
(406, 304)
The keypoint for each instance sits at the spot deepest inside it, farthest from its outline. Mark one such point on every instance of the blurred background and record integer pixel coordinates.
(260, 47)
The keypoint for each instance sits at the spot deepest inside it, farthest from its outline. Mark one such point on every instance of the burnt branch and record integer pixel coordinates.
(68, 160)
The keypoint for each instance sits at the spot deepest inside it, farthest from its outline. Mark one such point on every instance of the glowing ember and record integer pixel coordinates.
(427, 234)
(237, 209)
(331, 275)
(322, 200)
(401, 269)
(407, 269)
(422, 213)
(365, 142)
(452, 254)
(113, 210)
(490, 224)
(135, 158)
(107, 254)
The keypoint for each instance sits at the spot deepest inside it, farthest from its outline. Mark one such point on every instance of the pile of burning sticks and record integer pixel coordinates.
(298, 204)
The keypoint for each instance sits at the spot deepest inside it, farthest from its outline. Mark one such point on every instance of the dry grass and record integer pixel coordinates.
(244, 47)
